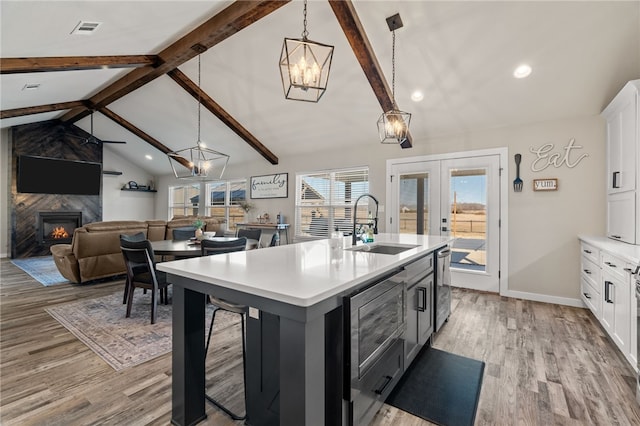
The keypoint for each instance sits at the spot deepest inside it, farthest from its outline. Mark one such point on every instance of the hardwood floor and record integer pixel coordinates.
(546, 364)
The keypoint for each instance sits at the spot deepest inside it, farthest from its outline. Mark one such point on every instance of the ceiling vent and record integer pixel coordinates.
(85, 27)
(31, 86)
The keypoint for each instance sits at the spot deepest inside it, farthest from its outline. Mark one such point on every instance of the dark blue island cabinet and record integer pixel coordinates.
(304, 364)
(294, 365)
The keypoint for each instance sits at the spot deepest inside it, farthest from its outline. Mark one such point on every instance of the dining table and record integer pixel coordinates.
(189, 248)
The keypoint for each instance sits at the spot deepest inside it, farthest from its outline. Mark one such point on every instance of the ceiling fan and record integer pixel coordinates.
(92, 139)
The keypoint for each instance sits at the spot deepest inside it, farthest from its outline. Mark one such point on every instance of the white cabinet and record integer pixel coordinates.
(590, 279)
(607, 288)
(623, 164)
(618, 300)
(621, 220)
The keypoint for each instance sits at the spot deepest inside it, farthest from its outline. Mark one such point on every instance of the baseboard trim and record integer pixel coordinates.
(536, 297)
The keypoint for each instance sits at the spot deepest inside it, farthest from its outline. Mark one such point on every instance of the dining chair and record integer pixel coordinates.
(212, 247)
(184, 233)
(141, 272)
(250, 234)
(133, 237)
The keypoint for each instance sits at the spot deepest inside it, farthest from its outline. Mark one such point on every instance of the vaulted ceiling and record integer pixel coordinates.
(138, 70)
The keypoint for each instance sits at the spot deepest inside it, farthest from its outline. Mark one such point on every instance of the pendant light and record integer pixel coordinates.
(393, 125)
(305, 66)
(198, 162)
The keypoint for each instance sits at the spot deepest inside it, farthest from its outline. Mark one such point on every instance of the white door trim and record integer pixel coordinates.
(503, 154)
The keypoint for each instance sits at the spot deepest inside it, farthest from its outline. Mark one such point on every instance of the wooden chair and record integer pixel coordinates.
(141, 272)
(210, 247)
(134, 237)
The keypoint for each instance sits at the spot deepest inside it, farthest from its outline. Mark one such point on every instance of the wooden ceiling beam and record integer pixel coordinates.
(18, 112)
(73, 63)
(354, 31)
(187, 84)
(223, 25)
(141, 134)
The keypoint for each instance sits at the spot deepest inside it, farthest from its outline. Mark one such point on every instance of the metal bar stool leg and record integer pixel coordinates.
(231, 414)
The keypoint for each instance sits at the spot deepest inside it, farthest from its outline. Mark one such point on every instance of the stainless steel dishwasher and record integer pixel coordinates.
(443, 287)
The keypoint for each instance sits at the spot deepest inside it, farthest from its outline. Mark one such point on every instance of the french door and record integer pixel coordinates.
(457, 195)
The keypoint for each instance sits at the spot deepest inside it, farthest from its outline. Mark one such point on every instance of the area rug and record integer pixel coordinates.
(440, 387)
(122, 342)
(43, 269)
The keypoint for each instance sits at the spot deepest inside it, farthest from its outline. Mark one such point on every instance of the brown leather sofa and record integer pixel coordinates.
(95, 253)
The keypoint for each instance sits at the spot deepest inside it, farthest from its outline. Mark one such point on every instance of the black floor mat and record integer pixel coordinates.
(440, 387)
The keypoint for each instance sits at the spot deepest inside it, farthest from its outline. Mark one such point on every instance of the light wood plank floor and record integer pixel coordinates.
(546, 364)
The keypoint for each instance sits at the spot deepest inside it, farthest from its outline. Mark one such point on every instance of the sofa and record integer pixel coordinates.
(94, 251)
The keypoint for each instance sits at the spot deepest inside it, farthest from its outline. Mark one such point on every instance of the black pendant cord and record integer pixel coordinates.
(199, 102)
(393, 69)
(305, 33)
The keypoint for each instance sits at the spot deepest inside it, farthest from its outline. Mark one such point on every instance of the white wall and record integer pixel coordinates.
(125, 205)
(5, 192)
(543, 226)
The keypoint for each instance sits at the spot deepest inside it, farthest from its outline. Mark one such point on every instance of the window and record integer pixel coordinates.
(225, 200)
(324, 200)
(183, 200)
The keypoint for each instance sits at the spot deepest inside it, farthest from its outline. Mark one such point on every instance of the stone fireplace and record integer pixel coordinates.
(56, 227)
(39, 221)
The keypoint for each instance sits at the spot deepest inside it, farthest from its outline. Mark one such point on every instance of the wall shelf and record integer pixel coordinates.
(111, 172)
(138, 190)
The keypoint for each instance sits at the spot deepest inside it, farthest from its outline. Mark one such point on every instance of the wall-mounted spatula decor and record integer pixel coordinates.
(517, 183)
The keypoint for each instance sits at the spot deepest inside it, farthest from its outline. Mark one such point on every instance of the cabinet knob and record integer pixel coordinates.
(587, 295)
(618, 237)
(587, 251)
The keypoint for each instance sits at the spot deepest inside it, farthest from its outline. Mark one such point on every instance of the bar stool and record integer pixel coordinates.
(235, 309)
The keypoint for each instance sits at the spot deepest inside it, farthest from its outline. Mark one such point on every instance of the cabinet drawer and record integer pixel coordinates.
(590, 252)
(590, 297)
(591, 272)
(614, 265)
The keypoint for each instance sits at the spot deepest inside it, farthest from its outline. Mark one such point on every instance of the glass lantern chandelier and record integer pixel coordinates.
(393, 125)
(305, 66)
(198, 162)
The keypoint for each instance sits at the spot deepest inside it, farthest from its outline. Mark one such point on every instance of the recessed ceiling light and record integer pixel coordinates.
(31, 86)
(417, 96)
(148, 157)
(522, 71)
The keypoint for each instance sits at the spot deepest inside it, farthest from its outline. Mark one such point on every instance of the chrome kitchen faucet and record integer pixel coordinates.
(354, 237)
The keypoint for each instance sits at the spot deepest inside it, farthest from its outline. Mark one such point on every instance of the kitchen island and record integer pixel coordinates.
(295, 295)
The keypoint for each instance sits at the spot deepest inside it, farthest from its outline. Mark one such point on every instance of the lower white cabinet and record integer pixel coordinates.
(616, 310)
(608, 290)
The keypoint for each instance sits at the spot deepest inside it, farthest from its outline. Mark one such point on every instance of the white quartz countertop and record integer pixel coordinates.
(301, 274)
(629, 252)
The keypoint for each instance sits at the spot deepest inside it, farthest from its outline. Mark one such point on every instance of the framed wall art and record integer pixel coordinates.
(270, 186)
(545, 184)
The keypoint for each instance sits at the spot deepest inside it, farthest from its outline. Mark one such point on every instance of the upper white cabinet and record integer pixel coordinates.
(623, 164)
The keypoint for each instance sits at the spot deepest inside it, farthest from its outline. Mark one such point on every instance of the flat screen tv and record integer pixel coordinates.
(41, 175)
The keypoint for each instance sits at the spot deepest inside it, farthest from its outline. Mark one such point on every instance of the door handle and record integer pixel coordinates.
(387, 380)
(607, 292)
(616, 180)
(422, 299)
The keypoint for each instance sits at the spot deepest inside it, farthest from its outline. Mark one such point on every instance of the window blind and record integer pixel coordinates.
(324, 200)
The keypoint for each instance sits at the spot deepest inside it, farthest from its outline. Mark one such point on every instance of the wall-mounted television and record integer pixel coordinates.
(41, 175)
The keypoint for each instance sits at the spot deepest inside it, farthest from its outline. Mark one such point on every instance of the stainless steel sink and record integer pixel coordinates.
(383, 248)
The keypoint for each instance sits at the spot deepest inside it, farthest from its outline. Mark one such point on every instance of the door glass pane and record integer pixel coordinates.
(414, 204)
(468, 218)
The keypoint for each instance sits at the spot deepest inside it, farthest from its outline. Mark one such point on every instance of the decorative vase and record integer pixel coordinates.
(198, 234)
